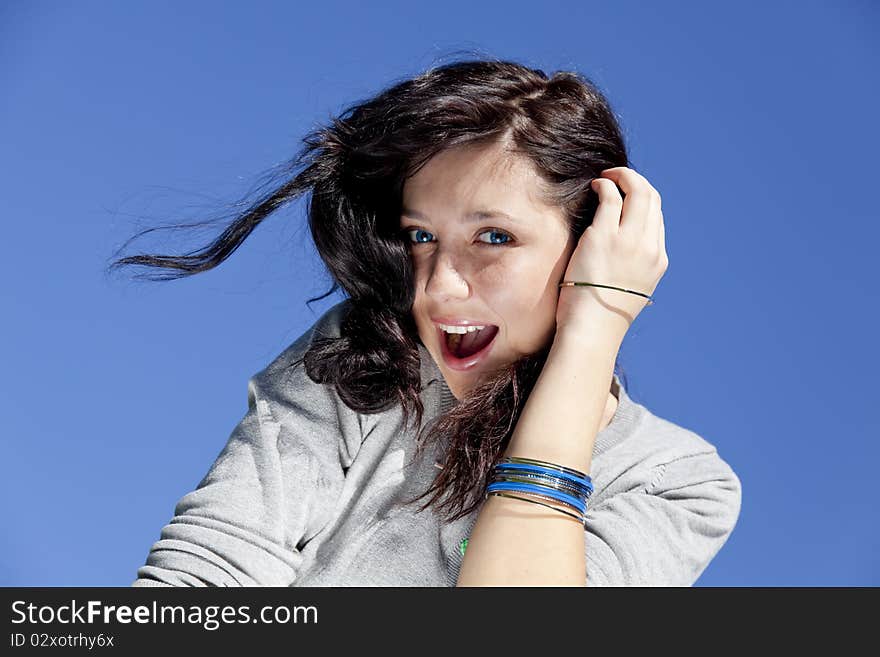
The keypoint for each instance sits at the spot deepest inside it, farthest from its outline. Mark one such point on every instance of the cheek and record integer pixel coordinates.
(525, 299)
(492, 275)
(531, 295)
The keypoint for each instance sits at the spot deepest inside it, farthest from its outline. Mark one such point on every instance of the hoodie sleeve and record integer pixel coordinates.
(273, 486)
(667, 532)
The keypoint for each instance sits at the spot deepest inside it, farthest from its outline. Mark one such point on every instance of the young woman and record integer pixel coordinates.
(458, 419)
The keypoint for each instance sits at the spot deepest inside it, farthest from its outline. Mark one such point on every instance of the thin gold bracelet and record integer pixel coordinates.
(610, 287)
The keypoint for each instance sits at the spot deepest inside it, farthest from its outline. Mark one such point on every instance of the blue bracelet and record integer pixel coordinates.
(554, 466)
(554, 470)
(578, 490)
(543, 480)
(534, 496)
(585, 482)
(574, 502)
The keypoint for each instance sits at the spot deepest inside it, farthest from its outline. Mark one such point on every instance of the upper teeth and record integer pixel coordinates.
(460, 329)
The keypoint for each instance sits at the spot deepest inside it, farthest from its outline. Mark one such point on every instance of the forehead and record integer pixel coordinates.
(468, 217)
(476, 183)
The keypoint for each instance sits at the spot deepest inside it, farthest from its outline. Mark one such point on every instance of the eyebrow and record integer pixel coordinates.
(476, 215)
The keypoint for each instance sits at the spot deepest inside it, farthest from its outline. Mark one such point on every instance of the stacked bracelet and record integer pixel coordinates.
(557, 485)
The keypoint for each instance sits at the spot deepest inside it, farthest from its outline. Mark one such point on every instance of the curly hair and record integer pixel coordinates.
(355, 168)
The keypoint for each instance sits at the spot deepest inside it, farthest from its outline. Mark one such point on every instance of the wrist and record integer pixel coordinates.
(590, 309)
(594, 322)
(591, 343)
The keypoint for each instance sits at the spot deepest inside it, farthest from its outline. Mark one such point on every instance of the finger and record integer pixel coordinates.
(637, 204)
(660, 226)
(661, 238)
(654, 230)
(607, 217)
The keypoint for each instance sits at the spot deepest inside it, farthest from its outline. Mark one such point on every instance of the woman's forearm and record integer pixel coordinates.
(518, 543)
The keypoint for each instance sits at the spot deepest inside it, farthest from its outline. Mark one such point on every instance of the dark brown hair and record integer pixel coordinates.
(355, 168)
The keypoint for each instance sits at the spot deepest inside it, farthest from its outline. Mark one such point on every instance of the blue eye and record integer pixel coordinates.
(497, 232)
(418, 230)
(420, 233)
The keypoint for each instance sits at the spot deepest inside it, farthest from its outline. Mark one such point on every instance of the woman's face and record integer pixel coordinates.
(483, 269)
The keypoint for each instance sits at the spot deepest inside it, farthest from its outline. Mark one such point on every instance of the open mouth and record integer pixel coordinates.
(464, 350)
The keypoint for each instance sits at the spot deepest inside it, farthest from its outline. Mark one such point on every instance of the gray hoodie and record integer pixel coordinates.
(307, 492)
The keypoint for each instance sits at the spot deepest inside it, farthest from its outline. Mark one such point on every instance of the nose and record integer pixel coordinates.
(445, 281)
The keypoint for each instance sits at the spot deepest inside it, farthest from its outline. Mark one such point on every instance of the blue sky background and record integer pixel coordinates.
(756, 121)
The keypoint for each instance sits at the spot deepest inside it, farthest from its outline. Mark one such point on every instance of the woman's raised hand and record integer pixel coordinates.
(625, 247)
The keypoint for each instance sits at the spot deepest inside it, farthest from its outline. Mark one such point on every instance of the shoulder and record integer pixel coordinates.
(665, 440)
(661, 458)
(649, 443)
(664, 504)
(684, 462)
(304, 410)
(328, 325)
(285, 376)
